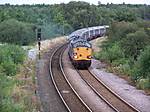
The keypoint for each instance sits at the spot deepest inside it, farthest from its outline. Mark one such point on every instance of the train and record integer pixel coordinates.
(89, 33)
(80, 53)
(80, 48)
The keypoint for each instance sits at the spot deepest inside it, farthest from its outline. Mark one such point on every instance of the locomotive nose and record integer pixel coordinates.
(75, 55)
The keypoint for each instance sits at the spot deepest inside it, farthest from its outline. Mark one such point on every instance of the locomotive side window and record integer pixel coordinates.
(84, 36)
(91, 33)
(102, 30)
(96, 31)
(87, 34)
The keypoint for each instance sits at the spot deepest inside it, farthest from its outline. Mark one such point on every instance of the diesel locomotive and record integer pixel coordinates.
(80, 53)
(80, 49)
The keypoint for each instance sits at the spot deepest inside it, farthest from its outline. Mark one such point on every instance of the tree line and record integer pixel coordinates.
(62, 19)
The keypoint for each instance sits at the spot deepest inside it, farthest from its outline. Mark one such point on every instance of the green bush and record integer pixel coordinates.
(9, 68)
(134, 43)
(8, 105)
(120, 61)
(111, 53)
(119, 30)
(11, 56)
(6, 84)
(143, 63)
(101, 55)
(144, 24)
(126, 50)
(143, 83)
(141, 70)
(11, 53)
(16, 32)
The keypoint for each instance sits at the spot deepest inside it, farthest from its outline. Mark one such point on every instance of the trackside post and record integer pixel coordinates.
(38, 36)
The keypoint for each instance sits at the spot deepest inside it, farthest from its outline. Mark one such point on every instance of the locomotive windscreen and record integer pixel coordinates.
(82, 44)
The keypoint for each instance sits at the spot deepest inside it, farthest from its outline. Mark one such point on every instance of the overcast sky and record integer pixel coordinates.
(66, 1)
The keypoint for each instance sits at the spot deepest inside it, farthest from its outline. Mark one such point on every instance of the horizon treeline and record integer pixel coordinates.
(18, 23)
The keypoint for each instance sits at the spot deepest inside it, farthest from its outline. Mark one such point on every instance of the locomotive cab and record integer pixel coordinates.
(80, 53)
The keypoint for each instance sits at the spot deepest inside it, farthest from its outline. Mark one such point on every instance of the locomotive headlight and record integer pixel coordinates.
(75, 56)
(89, 57)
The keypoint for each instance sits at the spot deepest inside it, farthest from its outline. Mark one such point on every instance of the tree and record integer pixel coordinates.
(144, 63)
(135, 43)
(125, 14)
(119, 30)
(13, 31)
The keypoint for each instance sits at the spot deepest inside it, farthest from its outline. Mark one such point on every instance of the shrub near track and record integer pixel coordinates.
(11, 56)
(127, 51)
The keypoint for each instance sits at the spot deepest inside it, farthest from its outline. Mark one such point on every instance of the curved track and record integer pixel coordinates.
(68, 95)
(105, 93)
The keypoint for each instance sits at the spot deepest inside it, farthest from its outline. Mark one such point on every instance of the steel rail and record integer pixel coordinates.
(105, 99)
(61, 66)
(62, 71)
(101, 97)
(50, 70)
(114, 93)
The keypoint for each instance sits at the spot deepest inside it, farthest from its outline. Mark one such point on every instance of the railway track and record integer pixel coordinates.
(105, 93)
(68, 95)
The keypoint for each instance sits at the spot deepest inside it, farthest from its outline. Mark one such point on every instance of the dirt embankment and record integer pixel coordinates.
(46, 44)
(96, 43)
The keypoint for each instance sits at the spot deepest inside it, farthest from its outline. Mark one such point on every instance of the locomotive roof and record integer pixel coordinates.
(80, 43)
(83, 30)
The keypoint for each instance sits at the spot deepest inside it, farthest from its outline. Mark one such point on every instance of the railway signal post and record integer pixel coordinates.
(38, 34)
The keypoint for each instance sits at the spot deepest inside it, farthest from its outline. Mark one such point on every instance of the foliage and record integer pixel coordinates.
(13, 31)
(126, 50)
(10, 57)
(20, 21)
(143, 83)
(6, 102)
(125, 14)
(143, 64)
(119, 30)
(9, 67)
(52, 30)
(6, 84)
(145, 25)
(134, 43)
(112, 53)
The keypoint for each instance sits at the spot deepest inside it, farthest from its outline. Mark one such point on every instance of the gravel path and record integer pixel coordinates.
(50, 99)
(136, 97)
